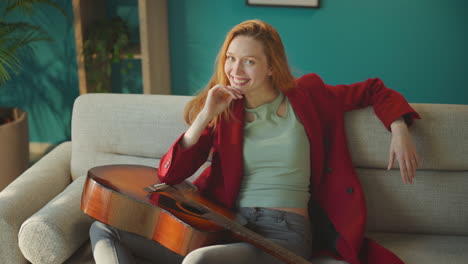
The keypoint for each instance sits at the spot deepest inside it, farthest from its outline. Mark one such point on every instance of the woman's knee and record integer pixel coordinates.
(201, 255)
(99, 230)
(228, 253)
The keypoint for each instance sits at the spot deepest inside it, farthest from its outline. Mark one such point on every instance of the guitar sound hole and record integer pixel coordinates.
(191, 209)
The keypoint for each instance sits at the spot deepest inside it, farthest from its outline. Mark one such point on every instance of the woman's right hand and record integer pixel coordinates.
(218, 99)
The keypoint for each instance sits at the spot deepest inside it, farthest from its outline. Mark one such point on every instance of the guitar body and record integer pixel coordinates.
(115, 195)
(126, 197)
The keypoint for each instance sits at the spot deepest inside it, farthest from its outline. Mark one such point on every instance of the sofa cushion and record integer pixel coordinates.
(437, 202)
(56, 231)
(427, 249)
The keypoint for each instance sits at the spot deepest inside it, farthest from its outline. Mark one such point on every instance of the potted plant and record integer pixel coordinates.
(14, 37)
(105, 45)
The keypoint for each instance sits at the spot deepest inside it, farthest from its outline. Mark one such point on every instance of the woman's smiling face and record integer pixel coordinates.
(246, 65)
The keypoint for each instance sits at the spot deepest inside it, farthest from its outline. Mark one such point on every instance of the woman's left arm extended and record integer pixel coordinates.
(394, 112)
(388, 104)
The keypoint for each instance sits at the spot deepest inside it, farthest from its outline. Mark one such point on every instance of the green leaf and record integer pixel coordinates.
(8, 63)
(17, 35)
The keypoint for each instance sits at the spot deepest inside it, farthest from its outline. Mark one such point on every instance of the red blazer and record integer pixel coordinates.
(334, 185)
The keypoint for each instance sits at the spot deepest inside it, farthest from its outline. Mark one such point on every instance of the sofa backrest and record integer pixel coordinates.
(139, 129)
(124, 128)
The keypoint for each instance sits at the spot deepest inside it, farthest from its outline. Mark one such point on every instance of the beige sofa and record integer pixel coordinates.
(427, 222)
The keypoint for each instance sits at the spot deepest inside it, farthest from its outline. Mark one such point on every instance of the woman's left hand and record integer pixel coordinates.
(403, 147)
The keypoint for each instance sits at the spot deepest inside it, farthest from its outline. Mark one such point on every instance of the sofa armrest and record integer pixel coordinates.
(56, 231)
(28, 193)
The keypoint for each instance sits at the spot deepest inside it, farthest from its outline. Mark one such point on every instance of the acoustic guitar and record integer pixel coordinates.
(131, 198)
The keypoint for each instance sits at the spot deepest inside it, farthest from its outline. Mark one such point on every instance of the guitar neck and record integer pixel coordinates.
(257, 240)
(240, 231)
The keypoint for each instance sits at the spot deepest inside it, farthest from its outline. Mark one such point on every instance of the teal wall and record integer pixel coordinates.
(417, 47)
(48, 84)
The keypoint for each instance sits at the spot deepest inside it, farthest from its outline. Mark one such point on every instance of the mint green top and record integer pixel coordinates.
(276, 159)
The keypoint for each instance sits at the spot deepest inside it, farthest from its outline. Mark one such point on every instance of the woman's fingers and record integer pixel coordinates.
(409, 170)
(219, 97)
(415, 163)
(405, 150)
(236, 93)
(403, 170)
(391, 160)
(416, 157)
(408, 165)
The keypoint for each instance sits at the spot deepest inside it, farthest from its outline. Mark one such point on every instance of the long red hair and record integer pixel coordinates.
(281, 77)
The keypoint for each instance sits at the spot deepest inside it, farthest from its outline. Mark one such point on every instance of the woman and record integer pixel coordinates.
(279, 157)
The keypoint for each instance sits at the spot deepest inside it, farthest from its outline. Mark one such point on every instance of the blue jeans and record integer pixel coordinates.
(289, 230)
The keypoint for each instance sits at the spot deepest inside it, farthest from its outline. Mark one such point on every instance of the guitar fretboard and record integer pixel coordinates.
(256, 239)
(240, 231)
